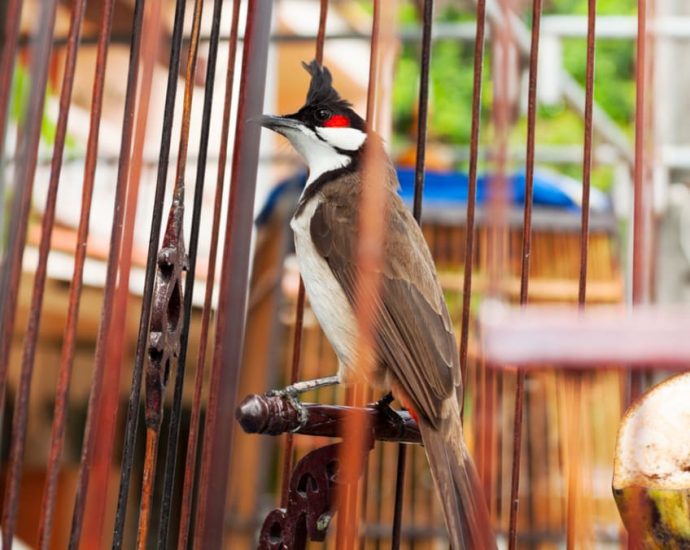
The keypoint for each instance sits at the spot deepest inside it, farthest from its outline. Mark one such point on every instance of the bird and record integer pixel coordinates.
(415, 349)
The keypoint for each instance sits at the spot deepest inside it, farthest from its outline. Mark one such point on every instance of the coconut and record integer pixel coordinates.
(651, 472)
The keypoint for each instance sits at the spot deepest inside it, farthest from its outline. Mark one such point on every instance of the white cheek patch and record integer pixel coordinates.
(319, 155)
(348, 139)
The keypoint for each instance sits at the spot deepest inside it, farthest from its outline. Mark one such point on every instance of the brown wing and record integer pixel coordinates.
(414, 334)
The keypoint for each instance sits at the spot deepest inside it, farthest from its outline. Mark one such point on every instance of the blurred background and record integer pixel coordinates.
(554, 443)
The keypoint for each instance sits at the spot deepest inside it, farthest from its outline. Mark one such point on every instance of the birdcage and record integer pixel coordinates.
(146, 309)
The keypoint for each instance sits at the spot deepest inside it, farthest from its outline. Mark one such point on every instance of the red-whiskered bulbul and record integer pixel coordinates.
(417, 357)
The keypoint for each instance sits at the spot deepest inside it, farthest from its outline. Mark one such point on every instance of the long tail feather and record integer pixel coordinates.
(458, 486)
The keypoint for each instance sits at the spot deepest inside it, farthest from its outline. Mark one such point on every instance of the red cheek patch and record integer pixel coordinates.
(337, 121)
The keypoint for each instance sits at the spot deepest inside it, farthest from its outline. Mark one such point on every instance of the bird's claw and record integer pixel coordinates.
(290, 394)
(383, 406)
(301, 410)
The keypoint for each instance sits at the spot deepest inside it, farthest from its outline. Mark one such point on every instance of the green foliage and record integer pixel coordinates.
(19, 99)
(451, 85)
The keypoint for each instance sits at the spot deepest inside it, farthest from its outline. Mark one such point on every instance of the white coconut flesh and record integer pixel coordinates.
(653, 447)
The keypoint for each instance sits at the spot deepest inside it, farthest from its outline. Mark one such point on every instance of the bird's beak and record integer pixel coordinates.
(278, 123)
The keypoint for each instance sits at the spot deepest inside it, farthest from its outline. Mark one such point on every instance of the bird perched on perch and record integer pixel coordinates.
(416, 354)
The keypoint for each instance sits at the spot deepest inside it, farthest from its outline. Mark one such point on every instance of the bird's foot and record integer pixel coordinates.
(383, 406)
(291, 394)
(305, 385)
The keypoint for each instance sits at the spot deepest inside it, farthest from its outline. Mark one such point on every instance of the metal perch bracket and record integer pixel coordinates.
(314, 481)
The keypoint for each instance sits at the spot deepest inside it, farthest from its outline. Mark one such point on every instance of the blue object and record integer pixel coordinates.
(551, 189)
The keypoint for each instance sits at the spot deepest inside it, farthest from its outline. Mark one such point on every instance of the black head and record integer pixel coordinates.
(325, 131)
(324, 107)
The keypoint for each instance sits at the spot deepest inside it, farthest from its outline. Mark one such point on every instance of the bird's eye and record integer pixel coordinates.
(323, 114)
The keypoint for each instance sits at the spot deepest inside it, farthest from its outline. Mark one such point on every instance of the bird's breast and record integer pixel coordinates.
(326, 296)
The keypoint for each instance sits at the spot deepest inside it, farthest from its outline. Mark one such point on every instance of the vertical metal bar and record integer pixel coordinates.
(94, 407)
(472, 188)
(173, 234)
(320, 36)
(299, 312)
(529, 160)
(31, 337)
(117, 344)
(639, 283)
(525, 264)
(352, 456)
(294, 376)
(399, 491)
(9, 49)
(69, 339)
(641, 200)
(27, 156)
(10, 35)
(587, 154)
(25, 161)
(423, 112)
(154, 239)
(194, 424)
(175, 416)
(233, 291)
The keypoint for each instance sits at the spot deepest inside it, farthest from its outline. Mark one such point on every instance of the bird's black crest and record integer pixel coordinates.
(321, 89)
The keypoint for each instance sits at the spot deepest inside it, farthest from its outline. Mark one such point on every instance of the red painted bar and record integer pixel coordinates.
(27, 150)
(70, 334)
(234, 278)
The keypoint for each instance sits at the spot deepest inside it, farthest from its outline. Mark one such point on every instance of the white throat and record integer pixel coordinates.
(322, 153)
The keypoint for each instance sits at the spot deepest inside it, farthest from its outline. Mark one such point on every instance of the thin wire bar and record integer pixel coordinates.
(10, 41)
(587, 153)
(525, 265)
(399, 494)
(107, 421)
(94, 408)
(27, 153)
(641, 198)
(175, 415)
(321, 34)
(232, 303)
(154, 238)
(194, 424)
(69, 340)
(299, 312)
(26, 157)
(470, 235)
(147, 487)
(153, 429)
(423, 110)
(294, 376)
(529, 159)
(640, 290)
(368, 252)
(31, 336)
(7, 61)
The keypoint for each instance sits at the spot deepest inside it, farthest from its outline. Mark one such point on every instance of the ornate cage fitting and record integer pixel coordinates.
(314, 481)
(166, 315)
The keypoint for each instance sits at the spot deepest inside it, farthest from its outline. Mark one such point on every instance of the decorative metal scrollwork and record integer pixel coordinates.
(311, 503)
(166, 315)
